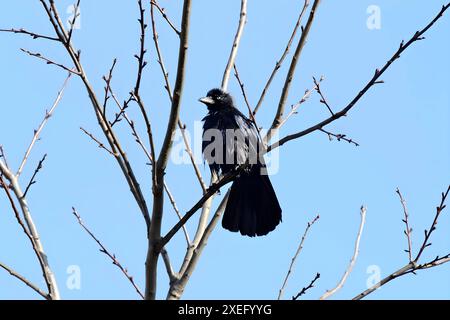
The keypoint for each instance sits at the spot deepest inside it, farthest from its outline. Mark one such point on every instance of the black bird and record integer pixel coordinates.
(231, 141)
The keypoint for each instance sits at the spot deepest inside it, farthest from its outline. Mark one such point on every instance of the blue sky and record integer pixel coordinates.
(402, 126)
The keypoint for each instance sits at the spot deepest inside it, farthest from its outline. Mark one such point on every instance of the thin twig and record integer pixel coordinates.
(244, 94)
(76, 14)
(339, 137)
(235, 47)
(141, 56)
(323, 100)
(149, 157)
(413, 265)
(24, 280)
(107, 80)
(31, 34)
(294, 107)
(100, 144)
(168, 88)
(290, 75)
(154, 249)
(294, 258)
(374, 80)
(177, 211)
(305, 289)
(164, 15)
(38, 131)
(283, 56)
(40, 255)
(228, 177)
(36, 171)
(3, 156)
(115, 145)
(341, 283)
(177, 288)
(107, 253)
(428, 232)
(408, 230)
(48, 61)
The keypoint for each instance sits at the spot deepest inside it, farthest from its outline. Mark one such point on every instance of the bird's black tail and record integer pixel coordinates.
(252, 207)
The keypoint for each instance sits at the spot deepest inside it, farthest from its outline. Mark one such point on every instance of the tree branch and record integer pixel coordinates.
(305, 289)
(31, 34)
(235, 47)
(177, 288)
(283, 56)
(168, 88)
(38, 131)
(25, 281)
(290, 75)
(36, 171)
(164, 15)
(408, 230)
(414, 266)
(104, 250)
(294, 258)
(29, 230)
(374, 80)
(341, 283)
(154, 249)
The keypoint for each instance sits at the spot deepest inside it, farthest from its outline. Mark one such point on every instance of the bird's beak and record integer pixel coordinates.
(206, 100)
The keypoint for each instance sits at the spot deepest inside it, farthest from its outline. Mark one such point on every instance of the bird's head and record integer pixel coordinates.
(217, 99)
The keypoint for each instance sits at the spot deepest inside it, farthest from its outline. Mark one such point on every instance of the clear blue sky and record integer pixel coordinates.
(402, 126)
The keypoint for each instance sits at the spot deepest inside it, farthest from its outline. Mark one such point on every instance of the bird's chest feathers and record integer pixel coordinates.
(221, 120)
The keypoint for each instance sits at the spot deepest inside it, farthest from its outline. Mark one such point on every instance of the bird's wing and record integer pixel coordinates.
(247, 142)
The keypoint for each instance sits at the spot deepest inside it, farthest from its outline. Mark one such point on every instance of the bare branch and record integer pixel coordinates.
(107, 80)
(149, 157)
(408, 230)
(31, 34)
(36, 171)
(29, 231)
(305, 289)
(48, 61)
(428, 232)
(228, 177)
(290, 75)
(38, 131)
(164, 15)
(141, 56)
(107, 253)
(374, 80)
(99, 143)
(177, 288)
(322, 97)
(294, 107)
(177, 211)
(339, 137)
(24, 280)
(106, 127)
(3, 156)
(341, 283)
(177, 92)
(154, 249)
(414, 266)
(172, 276)
(241, 85)
(235, 47)
(168, 88)
(148, 125)
(294, 258)
(283, 56)
(76, 14)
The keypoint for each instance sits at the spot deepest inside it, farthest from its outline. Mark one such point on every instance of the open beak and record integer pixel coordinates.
(206, 100)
